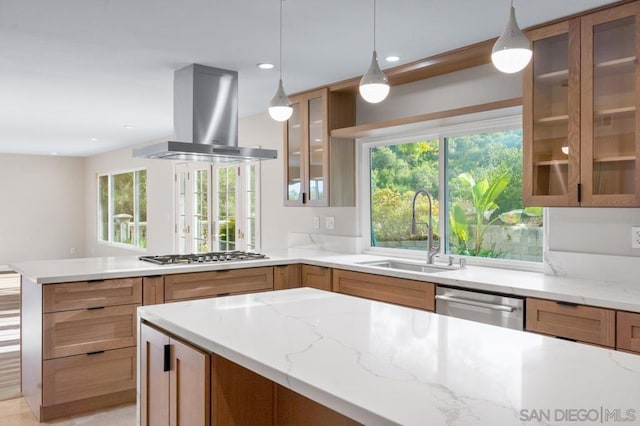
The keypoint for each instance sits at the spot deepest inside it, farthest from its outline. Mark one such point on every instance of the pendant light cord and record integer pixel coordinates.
(280, 60)
(374, 24)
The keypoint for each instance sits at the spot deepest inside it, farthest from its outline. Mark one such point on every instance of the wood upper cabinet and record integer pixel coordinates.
(319, 170)
(415, 294)
(174, 381)
(316, 277)
(580, 121)
(571, 321)
(199, 285)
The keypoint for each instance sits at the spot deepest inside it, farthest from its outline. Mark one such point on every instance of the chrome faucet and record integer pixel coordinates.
(431, 252)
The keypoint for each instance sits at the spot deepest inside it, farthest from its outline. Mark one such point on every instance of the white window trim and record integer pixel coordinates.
(110, 208)
(477, 123)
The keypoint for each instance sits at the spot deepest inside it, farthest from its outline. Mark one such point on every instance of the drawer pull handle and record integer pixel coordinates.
(95, 353)
(566, 338)
(166, 359)
(570, 304)
(95, 281)
(93, 309)
(224, 294)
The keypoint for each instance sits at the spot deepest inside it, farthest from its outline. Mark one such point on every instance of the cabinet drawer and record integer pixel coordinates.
(90, 330)
(287, 276)
(316, 277)
(91, 294)
(209, 284)
(578, 322)
(415, 294)
(85, 376)
(628, 331)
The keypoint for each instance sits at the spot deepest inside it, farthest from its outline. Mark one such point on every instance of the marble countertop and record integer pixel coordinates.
(383, 364)
(607, 294)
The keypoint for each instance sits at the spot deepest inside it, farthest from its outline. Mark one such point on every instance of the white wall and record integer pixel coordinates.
(159, 202)
(592, 230)
(41, 213)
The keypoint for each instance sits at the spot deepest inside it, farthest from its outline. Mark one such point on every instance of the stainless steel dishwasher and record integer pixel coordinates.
(487, 308)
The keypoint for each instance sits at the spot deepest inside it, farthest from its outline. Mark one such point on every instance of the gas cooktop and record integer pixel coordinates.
(212, 257)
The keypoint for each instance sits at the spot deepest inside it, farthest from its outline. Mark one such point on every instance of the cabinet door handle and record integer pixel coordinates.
(304, 198)
(579, 192)
(94, 308)
(166, 361)
(569, 304)
(95, 353)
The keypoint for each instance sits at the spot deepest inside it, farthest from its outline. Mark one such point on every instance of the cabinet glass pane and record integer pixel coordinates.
(316, 150)
(294, 160)
(551, 115)
(614, 107)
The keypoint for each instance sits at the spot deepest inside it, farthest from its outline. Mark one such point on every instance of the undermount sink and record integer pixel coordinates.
(408, 266)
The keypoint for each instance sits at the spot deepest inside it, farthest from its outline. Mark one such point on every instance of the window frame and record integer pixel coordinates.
(136, 203)
(241, 206)
(506, 119)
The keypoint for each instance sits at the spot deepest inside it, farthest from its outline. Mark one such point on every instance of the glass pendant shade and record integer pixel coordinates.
(512, 51)
(374, 85)
(280, 106)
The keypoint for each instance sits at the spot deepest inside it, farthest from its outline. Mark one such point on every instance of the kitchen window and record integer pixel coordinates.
(217, 207)
(122, 208)
(474, 173)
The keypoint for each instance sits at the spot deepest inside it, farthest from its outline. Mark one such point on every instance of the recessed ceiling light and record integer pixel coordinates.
(94, 139)
(392, 58)
(265, 66)
(54, 153)
(127, 126)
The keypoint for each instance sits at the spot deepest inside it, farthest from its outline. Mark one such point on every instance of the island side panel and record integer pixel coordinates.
(31, 342)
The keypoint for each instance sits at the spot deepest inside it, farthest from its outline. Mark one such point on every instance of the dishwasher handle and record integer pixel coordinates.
(502, 308)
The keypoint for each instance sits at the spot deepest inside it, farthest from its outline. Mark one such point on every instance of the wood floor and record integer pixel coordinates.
(15, 412)
(9, 335)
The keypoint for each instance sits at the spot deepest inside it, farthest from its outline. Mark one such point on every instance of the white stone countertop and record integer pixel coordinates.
(383, 364)
(607, 294)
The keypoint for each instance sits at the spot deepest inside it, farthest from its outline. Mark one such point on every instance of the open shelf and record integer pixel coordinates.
(615, 66)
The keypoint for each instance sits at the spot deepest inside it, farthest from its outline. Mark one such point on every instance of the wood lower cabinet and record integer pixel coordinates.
(91, 294)
(181, 385)
(316, 277)
(174, 381)
(628, 331)
(571, 321)
(199, 285)
(287, 276)
(415, 294)
(90, 330)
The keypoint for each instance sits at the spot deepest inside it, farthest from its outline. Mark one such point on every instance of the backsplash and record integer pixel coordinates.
(334, 243)
(592, 266)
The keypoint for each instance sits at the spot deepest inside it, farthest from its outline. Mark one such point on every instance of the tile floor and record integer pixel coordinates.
(16, 412)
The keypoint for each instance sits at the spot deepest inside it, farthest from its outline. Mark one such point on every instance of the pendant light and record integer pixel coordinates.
(280, 106)
(512, 52)
(374, 85)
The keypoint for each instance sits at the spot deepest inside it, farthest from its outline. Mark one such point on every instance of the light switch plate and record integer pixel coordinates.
(635, 237)
(316, 222)
(329, 222)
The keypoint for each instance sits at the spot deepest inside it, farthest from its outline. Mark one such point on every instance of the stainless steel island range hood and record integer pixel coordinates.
(205, 119)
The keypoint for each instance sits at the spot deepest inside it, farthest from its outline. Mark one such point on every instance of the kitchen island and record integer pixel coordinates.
(378, 363)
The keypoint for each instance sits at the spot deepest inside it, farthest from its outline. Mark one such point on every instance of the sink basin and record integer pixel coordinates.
(408, 266)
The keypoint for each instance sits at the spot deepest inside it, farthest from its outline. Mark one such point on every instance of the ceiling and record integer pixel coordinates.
(73, 73)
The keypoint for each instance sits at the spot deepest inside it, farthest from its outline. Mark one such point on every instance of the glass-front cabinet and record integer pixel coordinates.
(307, 150)
(579, 103)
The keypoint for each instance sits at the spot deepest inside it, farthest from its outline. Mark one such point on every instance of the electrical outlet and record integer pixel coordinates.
(329, 222)
(72, 250)
(635, 237)
(316, 222)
